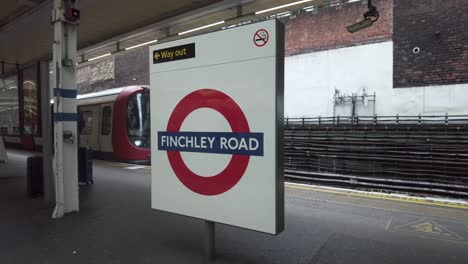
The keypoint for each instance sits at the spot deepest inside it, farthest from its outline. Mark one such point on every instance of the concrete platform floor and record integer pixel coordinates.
(116, 225)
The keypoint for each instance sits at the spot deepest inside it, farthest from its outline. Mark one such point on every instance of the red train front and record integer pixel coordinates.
(115, 123)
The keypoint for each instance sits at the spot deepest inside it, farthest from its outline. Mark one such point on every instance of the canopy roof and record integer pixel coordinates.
(26, 33)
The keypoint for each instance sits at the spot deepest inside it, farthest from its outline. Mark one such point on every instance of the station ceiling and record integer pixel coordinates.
(26, 33)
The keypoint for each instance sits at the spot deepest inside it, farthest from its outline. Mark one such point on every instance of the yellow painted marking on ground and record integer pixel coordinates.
(429, 227)
(351, 204)
(376, 196)
(432, 228)
(116, 164)
(363, 195)
(134, 167)
(388, 224)
(120, 164)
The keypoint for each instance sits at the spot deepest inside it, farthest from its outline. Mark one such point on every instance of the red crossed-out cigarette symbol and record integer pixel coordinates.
(261, 38)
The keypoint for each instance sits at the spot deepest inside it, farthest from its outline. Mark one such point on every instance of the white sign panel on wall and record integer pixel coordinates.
(216, 126)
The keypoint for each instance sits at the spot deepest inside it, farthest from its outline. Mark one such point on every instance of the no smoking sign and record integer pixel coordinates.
(261, 37)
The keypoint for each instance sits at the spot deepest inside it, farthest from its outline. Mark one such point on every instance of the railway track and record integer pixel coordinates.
(426, 157)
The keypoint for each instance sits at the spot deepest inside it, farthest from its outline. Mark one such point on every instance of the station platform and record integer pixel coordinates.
(117, 225)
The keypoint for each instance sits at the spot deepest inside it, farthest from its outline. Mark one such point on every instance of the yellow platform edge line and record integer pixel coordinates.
(376, 196)
(362, 195)
(120, 164)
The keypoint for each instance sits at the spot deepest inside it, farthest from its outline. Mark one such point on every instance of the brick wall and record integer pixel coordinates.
(126, 68)
(440, 30)
(307, 32)
(326, 29)
(96, 76)
(132, 67)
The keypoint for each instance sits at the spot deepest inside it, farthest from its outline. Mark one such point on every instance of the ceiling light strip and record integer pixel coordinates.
(282, 6)
(200, 28)
(98, 57)
(142, 44)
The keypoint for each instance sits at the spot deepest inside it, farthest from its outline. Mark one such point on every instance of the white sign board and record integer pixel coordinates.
(216, 126)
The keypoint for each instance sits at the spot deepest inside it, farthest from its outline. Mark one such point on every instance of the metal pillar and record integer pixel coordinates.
(65, 116)
(47, 140)
(209, 241)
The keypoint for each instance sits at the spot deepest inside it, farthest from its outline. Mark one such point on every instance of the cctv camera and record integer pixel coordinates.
(370, 17)
(360, 25)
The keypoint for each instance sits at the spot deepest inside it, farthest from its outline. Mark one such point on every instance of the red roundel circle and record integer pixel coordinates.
(226, 106)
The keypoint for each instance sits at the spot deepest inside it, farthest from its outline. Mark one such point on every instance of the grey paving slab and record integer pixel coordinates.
(116, 225)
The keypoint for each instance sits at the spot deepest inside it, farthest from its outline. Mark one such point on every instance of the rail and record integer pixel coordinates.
(422, 154)
(378, 120)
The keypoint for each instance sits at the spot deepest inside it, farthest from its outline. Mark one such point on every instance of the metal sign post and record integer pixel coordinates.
(209, 241)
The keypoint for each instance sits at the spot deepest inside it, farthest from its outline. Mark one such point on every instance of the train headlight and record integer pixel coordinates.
(138, 143)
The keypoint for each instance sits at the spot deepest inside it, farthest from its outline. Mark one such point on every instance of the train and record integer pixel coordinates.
(115, 123)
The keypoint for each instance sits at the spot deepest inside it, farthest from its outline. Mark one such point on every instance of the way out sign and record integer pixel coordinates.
(216, 127)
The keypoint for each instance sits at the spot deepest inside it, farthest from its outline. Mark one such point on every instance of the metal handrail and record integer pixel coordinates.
(397, 119)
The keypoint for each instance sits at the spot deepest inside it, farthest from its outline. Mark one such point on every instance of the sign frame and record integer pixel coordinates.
(275, 38)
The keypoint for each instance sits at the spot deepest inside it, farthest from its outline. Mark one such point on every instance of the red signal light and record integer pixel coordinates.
(72, 14)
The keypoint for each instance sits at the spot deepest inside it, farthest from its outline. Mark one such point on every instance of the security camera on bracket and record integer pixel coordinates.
(370, 17)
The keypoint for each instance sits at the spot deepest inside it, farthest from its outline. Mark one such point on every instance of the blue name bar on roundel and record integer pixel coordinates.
(212, 142)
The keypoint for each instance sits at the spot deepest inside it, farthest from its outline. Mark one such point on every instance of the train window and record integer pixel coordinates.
(9, 106)
(87, 122)
(31, 124)
(106, 124)
(138, 120)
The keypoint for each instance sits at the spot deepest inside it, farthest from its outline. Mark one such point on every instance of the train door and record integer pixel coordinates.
(105, 133)
(90, 128)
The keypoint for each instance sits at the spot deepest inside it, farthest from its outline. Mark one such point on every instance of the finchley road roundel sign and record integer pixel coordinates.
(217, 126)
(240, 143)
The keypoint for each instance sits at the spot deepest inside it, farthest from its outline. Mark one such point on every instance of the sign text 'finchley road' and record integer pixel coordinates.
(212, 142)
